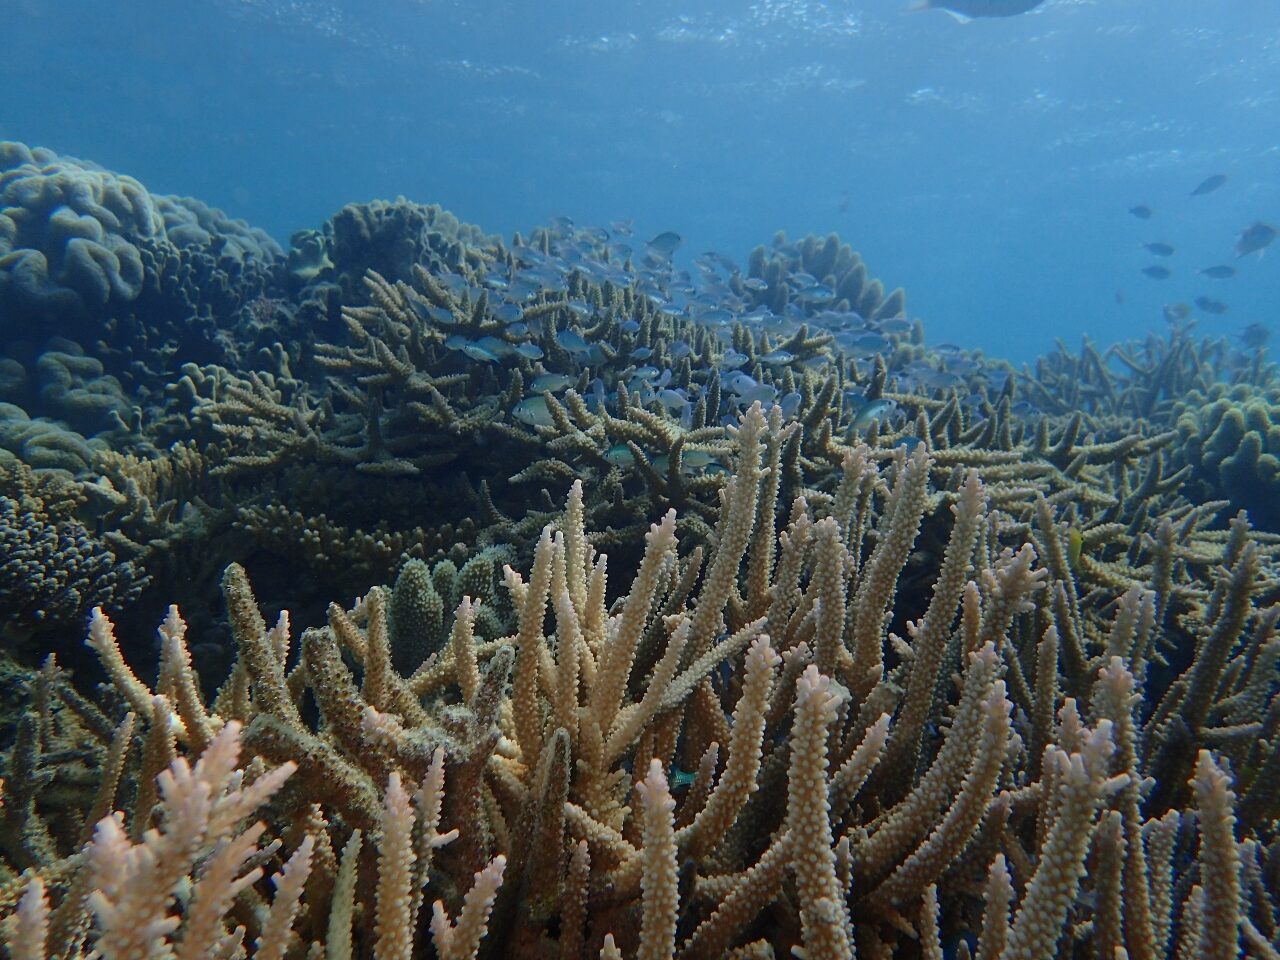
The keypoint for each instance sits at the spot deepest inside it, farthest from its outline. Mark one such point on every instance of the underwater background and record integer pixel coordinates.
(559, 481)
(986, 167)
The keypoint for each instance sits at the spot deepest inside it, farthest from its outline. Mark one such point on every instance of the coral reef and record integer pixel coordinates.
(697, 613)
(535, 783)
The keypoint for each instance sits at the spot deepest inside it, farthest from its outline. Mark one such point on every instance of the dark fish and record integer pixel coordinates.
(665, 243)
(1219, 272)
(1173, 312)
(1209, 184)
(1160, 249)
(1257, 236)
(1157, 272)
(966, 9)
(1255, 336)
(1119, 296)
(1141, 211)
(1209, 305)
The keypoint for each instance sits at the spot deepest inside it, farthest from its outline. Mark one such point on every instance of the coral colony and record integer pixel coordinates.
(697, 613)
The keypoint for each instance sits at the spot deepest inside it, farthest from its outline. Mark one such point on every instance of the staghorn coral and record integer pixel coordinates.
(822, 815)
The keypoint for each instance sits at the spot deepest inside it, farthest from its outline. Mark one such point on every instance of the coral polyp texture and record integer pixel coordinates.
(706, 613)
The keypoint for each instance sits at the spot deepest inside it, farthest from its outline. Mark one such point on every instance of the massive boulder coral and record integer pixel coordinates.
(79, 243)
(1230, 438)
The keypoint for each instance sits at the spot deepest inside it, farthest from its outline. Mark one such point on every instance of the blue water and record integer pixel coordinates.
(986, 167)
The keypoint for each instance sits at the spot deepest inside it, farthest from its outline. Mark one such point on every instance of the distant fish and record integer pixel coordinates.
(1209, 184)
(480, 354)
(573, 341)
(620, 455)
(1159, 249)
(665, 243)
(552, 382)
(1141, 211)
(875, 410)
(967, 9)
(1257, 236)
(1173, 312)
(1255, 336)
(1209, 305)
(1157, 272)
(1220, 272)
(534, 412)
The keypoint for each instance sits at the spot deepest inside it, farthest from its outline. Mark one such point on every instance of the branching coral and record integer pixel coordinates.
(824, 815)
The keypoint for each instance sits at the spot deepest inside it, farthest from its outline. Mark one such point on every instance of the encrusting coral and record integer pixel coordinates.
(753, 749)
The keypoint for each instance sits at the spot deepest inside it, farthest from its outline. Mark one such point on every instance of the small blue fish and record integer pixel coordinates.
(530, 351)
(573, 341)
(777, 358)
(551, 382)
(641, 353)
(875, 410)
(1219, 272)
(717, 316)
(479, 353)
(433, 314)
(761, 392)
(534, 412)
(1209, 184)
(673, 399)
(895, 326)
(866, 344)
(665, 244)
(507, 313)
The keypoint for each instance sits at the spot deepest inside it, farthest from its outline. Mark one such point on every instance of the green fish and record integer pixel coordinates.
(1075, 547)
(620, 455)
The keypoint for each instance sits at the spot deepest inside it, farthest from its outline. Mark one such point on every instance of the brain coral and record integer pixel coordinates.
(1231, 439)
(73, 236)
